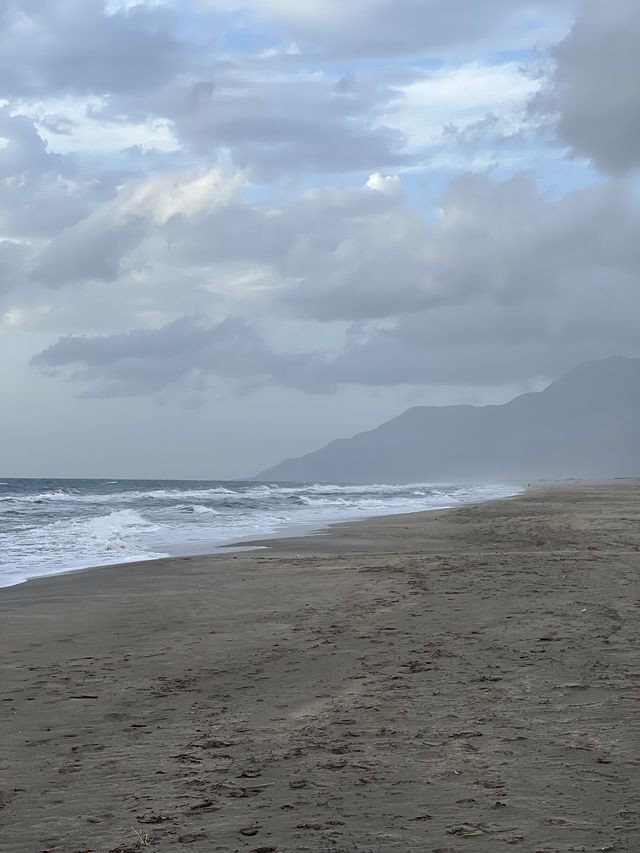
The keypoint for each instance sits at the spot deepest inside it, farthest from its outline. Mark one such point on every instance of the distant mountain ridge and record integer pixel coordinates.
(585, 424)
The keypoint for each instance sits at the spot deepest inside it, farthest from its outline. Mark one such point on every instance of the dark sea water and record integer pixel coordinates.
(52, 526)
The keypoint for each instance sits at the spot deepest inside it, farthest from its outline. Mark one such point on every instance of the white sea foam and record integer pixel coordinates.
(32, 551)
(47, 527)
(202, 510)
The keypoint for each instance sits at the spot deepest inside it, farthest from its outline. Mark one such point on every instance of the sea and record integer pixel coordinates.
(50, 526)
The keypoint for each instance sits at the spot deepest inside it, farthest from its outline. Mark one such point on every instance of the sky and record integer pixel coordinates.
(231, 232)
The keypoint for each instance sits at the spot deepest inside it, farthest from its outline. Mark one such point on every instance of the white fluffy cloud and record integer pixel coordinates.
(460, 97)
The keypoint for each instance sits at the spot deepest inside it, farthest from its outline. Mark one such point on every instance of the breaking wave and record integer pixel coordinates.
(52, 526)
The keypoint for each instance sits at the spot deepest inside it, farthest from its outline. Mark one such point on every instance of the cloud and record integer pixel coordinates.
(333, 254)
(177, 356)
(359, 253)
(23, 149)
(12, 260)
(507, 282)
(276, 117)
(76, 47)
(150, 78)
(43, 193)
(95, 247)
(271, 113)
(74, 125)
(593, 93)
(462, 96)
(384, 28)
(167, 234)
(486, 342)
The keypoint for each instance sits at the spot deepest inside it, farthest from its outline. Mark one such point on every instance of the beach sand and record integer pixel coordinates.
(464, 680)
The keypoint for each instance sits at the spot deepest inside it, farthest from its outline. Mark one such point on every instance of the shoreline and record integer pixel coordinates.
(278, 543)
(290, 530)
(424, 681)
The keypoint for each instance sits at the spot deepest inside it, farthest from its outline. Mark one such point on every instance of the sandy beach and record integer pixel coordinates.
(466, 680)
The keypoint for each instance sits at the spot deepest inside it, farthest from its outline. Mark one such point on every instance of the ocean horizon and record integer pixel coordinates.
(51, 526)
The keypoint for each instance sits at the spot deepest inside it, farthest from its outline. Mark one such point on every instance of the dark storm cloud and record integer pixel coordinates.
(595, 89)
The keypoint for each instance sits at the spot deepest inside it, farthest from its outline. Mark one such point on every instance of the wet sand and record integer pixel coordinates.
(437, 682)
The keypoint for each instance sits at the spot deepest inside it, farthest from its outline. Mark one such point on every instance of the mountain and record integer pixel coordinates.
(585, 424)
